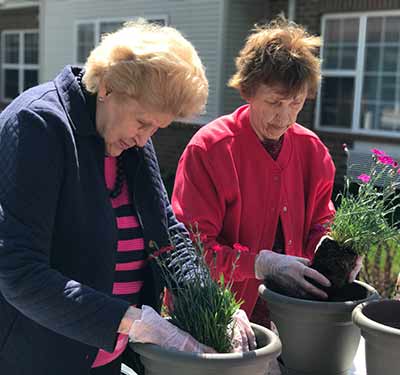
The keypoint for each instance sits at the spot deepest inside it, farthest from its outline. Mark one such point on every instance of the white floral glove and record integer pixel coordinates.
(357, 268)
(153, 329)
(244, 339)
(289, 272)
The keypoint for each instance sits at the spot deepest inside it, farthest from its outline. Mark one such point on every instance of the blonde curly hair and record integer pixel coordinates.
(153, 64)
(279, 53)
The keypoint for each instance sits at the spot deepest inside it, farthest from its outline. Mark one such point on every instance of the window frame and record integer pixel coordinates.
(21, 66)
(357, 73)
(97, 21)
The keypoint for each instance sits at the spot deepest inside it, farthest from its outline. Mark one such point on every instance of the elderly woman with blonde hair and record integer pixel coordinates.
(257, 178)
(81, 197)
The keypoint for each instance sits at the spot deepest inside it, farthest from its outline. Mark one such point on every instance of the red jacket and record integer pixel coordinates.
(234, 190)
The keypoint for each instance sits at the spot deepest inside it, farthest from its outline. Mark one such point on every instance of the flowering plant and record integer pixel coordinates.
(203, 307)
(364, 220)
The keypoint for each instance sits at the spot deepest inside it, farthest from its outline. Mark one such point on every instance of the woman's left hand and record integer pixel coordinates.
(357, 268)
(244, 339)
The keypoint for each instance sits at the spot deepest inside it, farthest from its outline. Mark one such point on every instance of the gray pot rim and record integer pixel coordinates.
(321, 306)
(166, 355)
(367, 324)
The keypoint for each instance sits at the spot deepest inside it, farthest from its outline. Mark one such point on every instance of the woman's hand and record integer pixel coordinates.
(244, 339)
(152, 328)
(289, 272)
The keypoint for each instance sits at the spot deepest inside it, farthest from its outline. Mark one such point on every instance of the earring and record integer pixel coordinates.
(100, 99)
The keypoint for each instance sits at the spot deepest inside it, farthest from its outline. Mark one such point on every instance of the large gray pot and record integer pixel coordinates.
(318, 338)
(378, 321)
(160, 361)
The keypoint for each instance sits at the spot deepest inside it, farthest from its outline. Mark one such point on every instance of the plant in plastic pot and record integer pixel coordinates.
(363, 221)
(206, 308)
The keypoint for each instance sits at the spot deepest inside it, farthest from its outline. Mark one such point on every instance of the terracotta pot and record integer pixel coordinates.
(159, 361)
(317, 337)
(380, 326)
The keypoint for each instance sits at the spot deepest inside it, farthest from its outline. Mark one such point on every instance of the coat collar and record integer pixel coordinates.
(74, 102)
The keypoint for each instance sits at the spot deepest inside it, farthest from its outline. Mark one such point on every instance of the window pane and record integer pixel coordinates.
(388, 89)
(349, 58)
(85, 41)
(390, 59)
(109, 27)
(31, 48)
(30, 78)
(11, 48)
(350, 30)
(331, 58)
(332, 31)
(11, 84)
(388, 117)
(370, 87)
(374, 29)
(372, 55)
(392, 29)
(337, 98)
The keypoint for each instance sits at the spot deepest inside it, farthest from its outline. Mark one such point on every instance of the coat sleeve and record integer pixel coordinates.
(198, 199)
(31, 176)
(323, 209)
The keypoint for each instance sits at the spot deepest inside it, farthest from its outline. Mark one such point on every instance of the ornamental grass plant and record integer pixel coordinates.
(203, 307)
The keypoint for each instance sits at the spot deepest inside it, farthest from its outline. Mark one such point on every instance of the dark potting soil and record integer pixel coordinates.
(335, 263)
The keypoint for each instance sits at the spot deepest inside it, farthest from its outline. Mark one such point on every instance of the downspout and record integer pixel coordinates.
(291, 10)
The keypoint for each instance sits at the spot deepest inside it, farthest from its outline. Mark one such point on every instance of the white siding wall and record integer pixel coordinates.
(198, 20)
(240, 19)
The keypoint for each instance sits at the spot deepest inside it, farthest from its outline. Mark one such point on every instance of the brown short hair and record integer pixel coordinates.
(279, 53)
(153, 64)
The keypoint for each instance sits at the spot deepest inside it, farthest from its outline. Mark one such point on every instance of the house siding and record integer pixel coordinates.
(240, 18)
(198, 20)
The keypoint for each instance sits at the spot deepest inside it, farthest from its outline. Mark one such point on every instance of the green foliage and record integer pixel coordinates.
(365, 220)
(204, 307)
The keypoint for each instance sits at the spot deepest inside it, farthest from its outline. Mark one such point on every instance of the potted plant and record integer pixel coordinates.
(205, 308)
(319, 336)
(364, 222)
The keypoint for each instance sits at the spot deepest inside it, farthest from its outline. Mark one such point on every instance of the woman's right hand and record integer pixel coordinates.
(152, 328)
(289, 272)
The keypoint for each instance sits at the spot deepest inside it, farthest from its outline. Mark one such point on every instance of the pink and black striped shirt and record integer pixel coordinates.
(131, 257)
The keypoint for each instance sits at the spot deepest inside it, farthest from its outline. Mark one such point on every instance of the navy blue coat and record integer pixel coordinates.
(58, 232)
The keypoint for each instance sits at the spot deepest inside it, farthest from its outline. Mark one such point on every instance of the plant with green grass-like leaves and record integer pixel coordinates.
(203, 307)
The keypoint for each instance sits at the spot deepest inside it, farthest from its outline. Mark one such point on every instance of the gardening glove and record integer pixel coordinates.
(357, 268)
(243, 339)
(289, 273)
(153, 329)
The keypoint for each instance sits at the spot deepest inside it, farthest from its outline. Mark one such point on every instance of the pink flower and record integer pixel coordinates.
(395, 164)
(378, 152)
(364, 178)
(217, 248)
(385, 160)
(240, 248)
(398, 171)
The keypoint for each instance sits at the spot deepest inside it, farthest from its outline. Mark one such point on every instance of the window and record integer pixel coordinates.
(19, 65)
(89, 34)
(360, 89)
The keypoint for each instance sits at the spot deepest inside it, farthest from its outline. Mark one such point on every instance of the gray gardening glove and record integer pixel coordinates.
(243, 339)
(357, 268)
(152, 328)
(289, 273)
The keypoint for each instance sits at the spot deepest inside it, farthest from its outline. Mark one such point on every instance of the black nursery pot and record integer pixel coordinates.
(335, 263)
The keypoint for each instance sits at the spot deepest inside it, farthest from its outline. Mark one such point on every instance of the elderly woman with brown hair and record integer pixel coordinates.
(258, 179)
(81, 197)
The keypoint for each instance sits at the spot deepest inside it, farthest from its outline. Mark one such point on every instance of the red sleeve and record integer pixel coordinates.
(323, 208)
(199, 197)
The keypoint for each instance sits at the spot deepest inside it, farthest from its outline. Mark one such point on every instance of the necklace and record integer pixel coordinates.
(119, 179)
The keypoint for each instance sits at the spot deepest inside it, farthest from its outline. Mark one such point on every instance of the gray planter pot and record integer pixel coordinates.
(317, 337)
(159, 361)
(380, 326)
